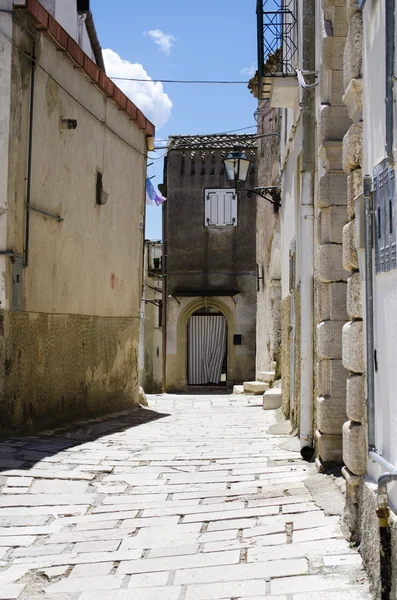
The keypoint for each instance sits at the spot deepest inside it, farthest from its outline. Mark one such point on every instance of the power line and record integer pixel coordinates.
(179, 81)
(221, 133)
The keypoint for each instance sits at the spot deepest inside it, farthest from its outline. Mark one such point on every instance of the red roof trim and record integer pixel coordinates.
(43, 21)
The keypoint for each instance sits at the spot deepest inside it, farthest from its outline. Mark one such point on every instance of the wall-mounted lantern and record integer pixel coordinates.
(237, 167)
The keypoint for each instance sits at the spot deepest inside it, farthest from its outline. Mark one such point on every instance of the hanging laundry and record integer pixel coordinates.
(153, 196)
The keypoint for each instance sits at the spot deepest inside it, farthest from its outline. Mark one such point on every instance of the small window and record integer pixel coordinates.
(220, 208)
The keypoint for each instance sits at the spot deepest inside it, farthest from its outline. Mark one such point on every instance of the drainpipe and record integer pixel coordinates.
(164, 274)
(382, 508)
(80, 29)
(30, 154)
(390, 49)
(369, 310)
(307, 234)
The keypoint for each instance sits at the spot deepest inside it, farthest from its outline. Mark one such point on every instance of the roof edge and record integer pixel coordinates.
(44, 22)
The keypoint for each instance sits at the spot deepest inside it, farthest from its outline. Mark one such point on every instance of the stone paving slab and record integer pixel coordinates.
(192, 498)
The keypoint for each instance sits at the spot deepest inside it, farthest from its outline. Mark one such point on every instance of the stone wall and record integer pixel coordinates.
(268, 327)
(355, 429)
(330, 277)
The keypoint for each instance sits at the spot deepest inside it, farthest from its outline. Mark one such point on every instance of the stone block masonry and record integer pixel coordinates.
(192, 498)
(330, 276)
(354, 430)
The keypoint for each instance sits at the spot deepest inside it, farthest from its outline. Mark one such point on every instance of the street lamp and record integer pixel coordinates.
(237, 166)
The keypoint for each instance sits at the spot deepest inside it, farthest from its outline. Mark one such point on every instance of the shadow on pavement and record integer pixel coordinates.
(24, 452)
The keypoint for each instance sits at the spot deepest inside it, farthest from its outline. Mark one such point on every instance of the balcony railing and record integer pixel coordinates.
(277, 40)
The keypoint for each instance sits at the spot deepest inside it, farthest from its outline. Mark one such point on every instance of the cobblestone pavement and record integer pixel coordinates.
(191, 499)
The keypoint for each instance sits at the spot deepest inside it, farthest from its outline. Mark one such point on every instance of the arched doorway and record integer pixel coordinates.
(207, 347)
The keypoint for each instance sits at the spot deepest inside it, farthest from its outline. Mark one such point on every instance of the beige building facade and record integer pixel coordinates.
(151, 338)
(338, 253)
(73, 163)
(313, 213)
(268, 323)
(210, 270)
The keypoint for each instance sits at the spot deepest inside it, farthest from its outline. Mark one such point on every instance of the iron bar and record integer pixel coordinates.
(45, 213)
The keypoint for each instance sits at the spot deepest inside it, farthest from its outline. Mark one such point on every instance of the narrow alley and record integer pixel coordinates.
(192, 498)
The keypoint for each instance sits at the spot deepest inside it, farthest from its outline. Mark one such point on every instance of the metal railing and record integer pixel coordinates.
(277, 38)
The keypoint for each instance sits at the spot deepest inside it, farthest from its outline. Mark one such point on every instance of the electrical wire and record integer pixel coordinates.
(70, 94)
(179, 81)
(221, 133)
(302, 82)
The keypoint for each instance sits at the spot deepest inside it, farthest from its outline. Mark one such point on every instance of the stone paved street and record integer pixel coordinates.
(195, 498)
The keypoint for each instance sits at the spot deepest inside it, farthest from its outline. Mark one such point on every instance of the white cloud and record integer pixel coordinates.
(150, 98)
(249, 71)
(163, 40)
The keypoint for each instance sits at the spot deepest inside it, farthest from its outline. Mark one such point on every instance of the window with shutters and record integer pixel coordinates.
(220, 208)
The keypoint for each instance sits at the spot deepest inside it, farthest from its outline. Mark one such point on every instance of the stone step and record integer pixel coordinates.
(238, 389)
(272, 399)
(265, 376)
(255, 387)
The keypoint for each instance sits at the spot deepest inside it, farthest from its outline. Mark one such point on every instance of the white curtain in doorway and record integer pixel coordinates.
(207, 347)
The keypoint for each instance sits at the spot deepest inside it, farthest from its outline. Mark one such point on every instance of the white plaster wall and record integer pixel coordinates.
(66, 15)
(5, 106)
(290, 210)
(151, 337)
(374, 83)
(385, 297)
(87, 48)
(65, 12)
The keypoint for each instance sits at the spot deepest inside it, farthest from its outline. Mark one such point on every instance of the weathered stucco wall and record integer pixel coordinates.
(214, 262)
(60, 367)
(151, 342)
(268, 326)
(73, 348)
(285, 310)
(290, 401)
(87, 264)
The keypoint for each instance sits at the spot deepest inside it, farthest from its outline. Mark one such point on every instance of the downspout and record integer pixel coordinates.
(369, 311)
(390, 49)
(96, 46)
(80, 29)
(164, 273)
(307, 234)
(30, 155)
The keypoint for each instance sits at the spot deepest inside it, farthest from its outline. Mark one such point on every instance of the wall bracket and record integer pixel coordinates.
(270, 193)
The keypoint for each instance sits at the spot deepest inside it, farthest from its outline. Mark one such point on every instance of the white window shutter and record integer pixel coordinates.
(234, 209)
(220, 208)
(211, 209)
(227, 208)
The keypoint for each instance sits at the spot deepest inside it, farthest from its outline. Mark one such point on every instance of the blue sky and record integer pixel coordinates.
(210, 39)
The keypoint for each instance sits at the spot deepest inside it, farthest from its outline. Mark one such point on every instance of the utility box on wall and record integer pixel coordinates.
(385, 218)
(17, 269)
